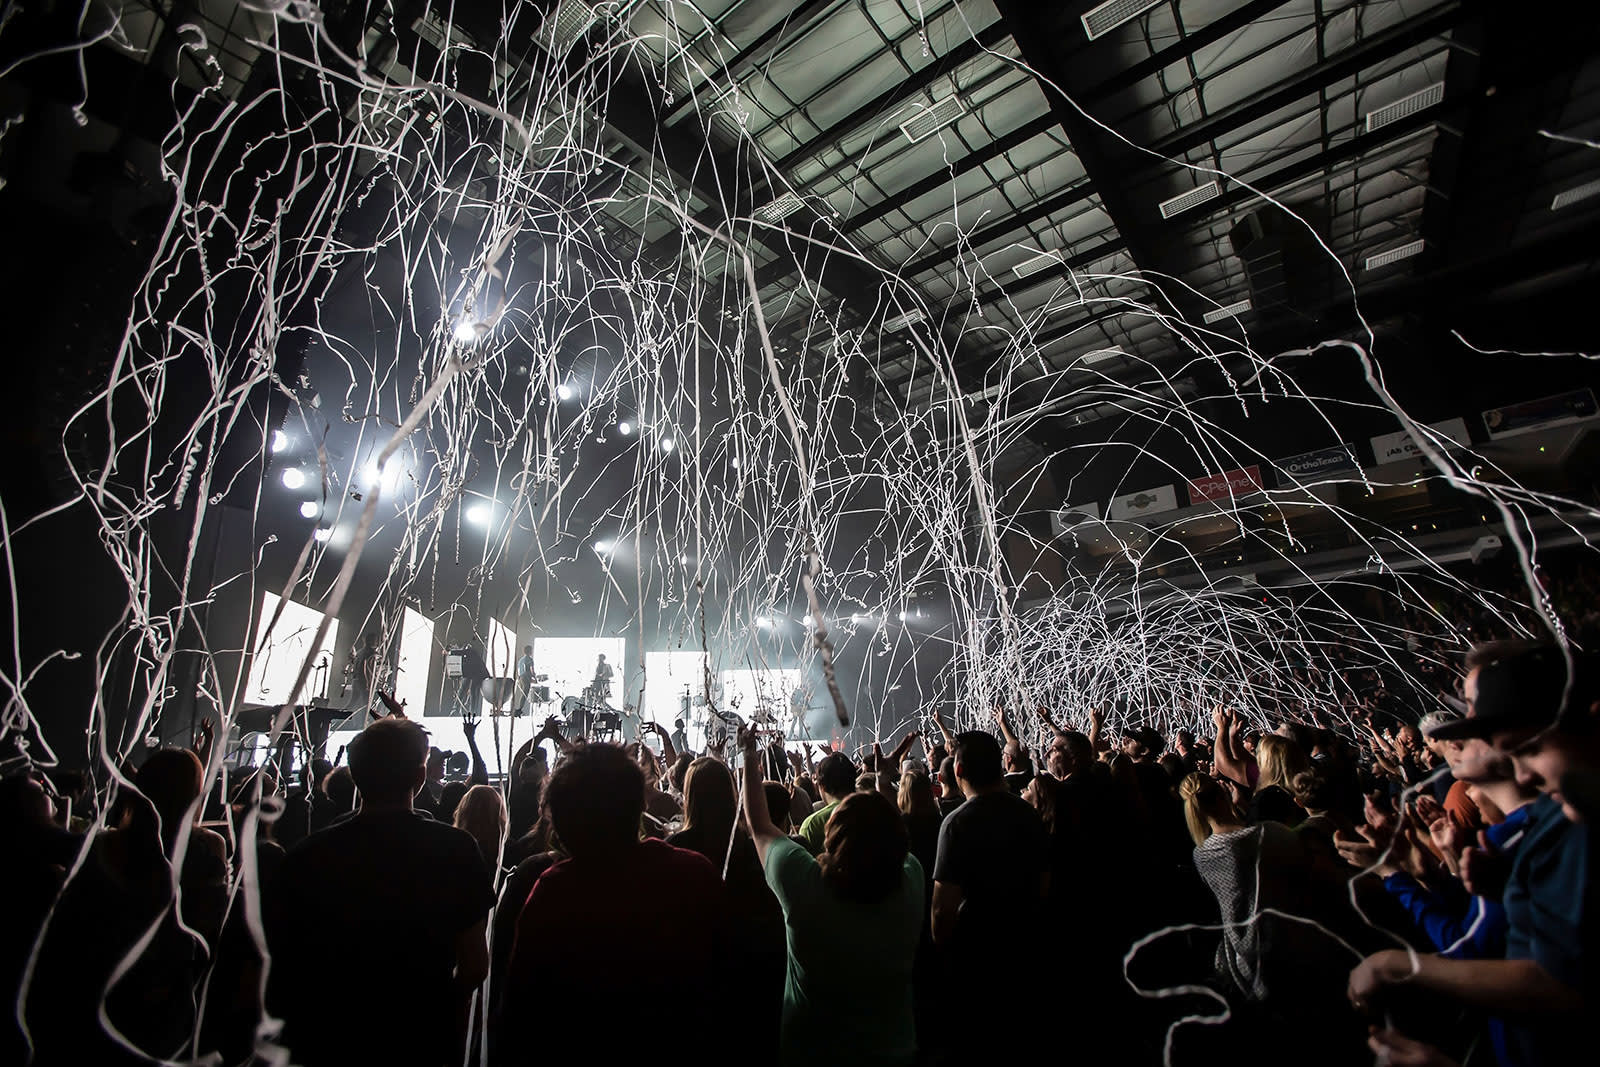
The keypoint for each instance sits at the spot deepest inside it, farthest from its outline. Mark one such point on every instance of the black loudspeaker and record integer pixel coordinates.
(1290, 273)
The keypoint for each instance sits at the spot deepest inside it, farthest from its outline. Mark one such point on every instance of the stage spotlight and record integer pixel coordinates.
(280, 440)
(624, 428)
(468, 331)
(563, 392)
(805, 620)
(478, 514)
(668, 444)
(310, 508)
(323, 533)
(902, 616)
(684, 560)
(293, 478)
(602, 547)
(764, 622)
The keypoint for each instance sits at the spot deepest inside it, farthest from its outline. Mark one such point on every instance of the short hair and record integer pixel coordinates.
(1486, 652)
(596, 799)
(778, 804)
(947, 771)
(836, 774)
(385, 758)
(977, 758)
(1435, 719)
(864, 848)
(340, 788)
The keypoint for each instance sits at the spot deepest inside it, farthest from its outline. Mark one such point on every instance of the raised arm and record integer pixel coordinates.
(899, 754)
(480, 769)
(1223, 759)
(756, 815)
(1097, 729)
(944, 732)
(1005, 726)
(551, 731)
(1044, 713)
(669, 755)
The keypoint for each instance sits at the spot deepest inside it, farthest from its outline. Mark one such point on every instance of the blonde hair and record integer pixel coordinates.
(1280, 759)
(1203, 797)
(482, 813)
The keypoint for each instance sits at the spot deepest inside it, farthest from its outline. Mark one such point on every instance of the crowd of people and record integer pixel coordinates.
(1421, 890)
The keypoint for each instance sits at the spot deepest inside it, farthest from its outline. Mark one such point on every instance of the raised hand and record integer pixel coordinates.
(1398, 1050)
(1428, 809)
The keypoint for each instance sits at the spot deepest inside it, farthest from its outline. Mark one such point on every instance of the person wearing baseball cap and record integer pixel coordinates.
(1524, 699)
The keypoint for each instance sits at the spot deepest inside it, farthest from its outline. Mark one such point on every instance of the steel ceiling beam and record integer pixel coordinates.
(779, 36)
(1376, 49)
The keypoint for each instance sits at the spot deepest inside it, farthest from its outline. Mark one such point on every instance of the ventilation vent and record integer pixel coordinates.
(1572, 196)
(1099, 21)
(569, 21)
(1184, 201)
(779, 209)
(1238, 307)
(1035, 264)
(932, 119)
(987, 394)
(1394, 255)
(900, 322)
(1406, 105)
(1103, 355)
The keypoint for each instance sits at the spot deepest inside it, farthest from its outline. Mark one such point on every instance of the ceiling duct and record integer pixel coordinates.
(1238, 307)
(928, 120)
(563, 27)
(1394, 255)
(1572, 196)
(1407, 105)
(900, 322)
(1035, 264)
(778, 209)
(1184, 201)
(1101, 20)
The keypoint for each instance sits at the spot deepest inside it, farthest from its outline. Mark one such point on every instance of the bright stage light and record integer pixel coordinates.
(805, 620)
(902, 616)
(563, 392)
(280, 440)
(624, 428)
(293, 478)
(683, 560)
(310, 508)
(323, 533)
(478, 514)
(764, 622)
(602, 547)
(468, 331)
(667, 444)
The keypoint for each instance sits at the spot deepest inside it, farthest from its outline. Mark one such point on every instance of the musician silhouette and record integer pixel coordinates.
(601, 686)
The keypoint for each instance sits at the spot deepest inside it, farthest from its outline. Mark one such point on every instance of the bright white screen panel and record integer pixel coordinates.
(501, 653)
(667, 674)
(416, 657)
(279, 651)
(570, 663)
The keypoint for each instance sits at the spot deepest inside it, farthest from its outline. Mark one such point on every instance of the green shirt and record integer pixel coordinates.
(815, 828)
(848, 986)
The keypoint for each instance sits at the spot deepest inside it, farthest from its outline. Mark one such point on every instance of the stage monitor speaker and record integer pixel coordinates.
(453, 665)
(1485, 547)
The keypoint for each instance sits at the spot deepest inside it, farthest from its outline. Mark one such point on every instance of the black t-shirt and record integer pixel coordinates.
(363, 929)
(994, 848)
